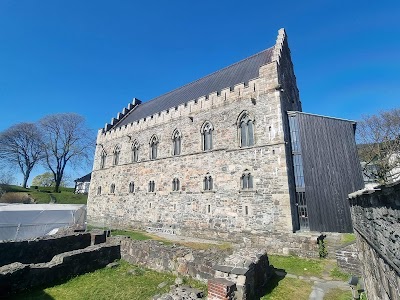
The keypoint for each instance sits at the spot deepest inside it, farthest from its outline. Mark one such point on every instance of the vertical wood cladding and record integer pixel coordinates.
(331, 170)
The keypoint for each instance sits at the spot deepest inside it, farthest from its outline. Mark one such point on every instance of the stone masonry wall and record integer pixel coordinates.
(226, 209)
(42, 249)
(179, 260)
(347, 259)
(376, 221)
(17, 277)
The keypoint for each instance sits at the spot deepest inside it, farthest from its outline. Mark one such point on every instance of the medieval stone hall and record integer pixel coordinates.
(228, 154)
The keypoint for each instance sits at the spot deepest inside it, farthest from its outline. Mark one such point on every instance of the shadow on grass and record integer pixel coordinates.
(32, 295)
(273, 282)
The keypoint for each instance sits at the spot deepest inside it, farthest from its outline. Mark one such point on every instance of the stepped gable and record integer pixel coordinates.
(240, 72)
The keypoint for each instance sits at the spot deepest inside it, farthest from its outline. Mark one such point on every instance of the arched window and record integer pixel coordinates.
(176, 142)
(246, 181)
(117, 151)
(99, 190)
(135, 152)
(153, 147)
(246, 131)
(175, 184)
(152, 186)
(207, 183)
(206, 136)
(131, 187)
(103, 159)
(112, 188)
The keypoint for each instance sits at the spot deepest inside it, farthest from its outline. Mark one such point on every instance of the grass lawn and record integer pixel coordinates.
(298, 266)
(44, 194)
(338, 294)
(114, 283)
(288, 288)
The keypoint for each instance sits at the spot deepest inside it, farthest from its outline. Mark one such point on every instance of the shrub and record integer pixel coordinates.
(16, 198)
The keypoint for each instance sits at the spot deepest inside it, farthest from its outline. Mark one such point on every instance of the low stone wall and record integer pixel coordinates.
(347, 259)
(41, 249)
(179, 260)
(17, 277)
(376, 221)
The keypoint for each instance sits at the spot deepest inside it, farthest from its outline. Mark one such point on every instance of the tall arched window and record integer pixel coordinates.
(152, 186)
(103, 159)
(112, 188)
(207, 183)
(175, 184)
(246, 131)
(176, 142)
(206, 136)
(135, 152)
(131, 187)
(246, 181)
(99, 190)
(117, 151)
(153, 147)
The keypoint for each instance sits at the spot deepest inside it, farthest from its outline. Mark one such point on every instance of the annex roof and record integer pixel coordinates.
(85, 178)
(240, 72)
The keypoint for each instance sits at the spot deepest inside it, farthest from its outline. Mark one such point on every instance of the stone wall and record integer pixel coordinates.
(41, 249)
(376, 221)
(179, 260)
(347, 259)
(267, 207)
(17, 277)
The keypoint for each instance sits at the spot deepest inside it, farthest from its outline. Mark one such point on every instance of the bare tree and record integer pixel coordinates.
(66, 139)
(20, 145)
(379, 136)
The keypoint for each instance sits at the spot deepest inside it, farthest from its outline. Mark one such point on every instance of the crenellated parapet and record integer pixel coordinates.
(131, 106)
(279, 45)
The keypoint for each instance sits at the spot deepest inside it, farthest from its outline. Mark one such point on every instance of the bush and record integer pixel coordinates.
(16, 198)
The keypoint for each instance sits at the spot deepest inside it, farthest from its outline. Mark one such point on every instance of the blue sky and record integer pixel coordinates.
(92, 57)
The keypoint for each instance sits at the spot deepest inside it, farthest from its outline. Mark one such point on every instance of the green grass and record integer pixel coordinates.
(348, 238)
(43, 194)
(134, 235)
(298, 266)
(108, 283)
(287, 288)
(338, 274)
(338, 294)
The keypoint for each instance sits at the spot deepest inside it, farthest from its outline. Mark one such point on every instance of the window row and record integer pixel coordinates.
(246, 183)
(245, 132)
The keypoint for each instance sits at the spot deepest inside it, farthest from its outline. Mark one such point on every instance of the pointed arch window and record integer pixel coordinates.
(152, 186)
(131, 187)
(153, 147)
(207, 136)
(112, 188)
(117, 152)
(175, 184)
(246, 181)
(207, 183)
(103, 159)
(246, 131)
(135, 152)
(176, 142)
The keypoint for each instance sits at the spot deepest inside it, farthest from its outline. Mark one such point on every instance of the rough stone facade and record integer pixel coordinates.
(226, 208)
(347, 259)
(376, 221)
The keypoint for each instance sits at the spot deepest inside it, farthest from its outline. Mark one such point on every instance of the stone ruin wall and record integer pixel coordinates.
(376, 221)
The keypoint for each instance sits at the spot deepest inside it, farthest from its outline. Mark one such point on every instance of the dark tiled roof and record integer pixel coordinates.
(242, 71)
(85, 178)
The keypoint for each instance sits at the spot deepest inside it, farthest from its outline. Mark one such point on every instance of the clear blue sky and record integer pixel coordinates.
(92, 57)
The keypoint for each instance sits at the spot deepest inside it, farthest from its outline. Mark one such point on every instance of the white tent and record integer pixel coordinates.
(25, 221)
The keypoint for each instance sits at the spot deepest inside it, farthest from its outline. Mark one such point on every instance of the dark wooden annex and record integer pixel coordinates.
(326, 168)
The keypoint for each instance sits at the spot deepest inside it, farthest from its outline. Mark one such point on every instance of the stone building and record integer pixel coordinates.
(215, 157)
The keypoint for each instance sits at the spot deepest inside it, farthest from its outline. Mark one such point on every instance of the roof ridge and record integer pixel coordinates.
(217, 71)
